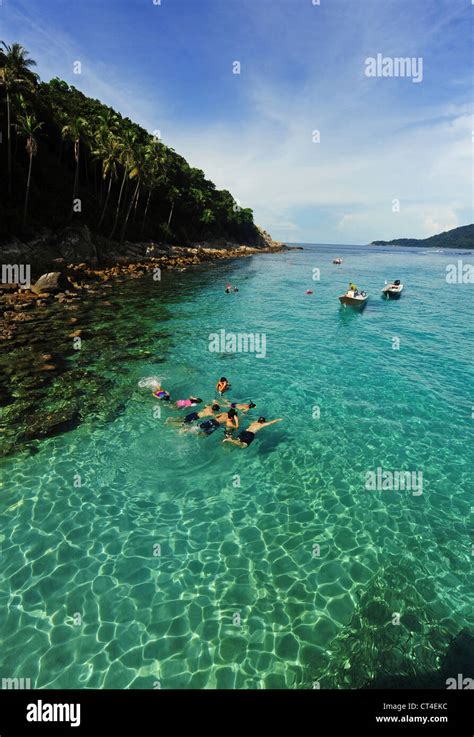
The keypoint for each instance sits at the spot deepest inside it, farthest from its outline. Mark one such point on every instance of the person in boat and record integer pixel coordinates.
(245, 437)
(353, 289)
(161, 394)
(222, 385)
(191, 402)
(231, 423)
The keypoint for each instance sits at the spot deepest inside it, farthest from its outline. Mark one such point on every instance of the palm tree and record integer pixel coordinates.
(135, 172)
(108, 151)
(75, 130)
(152, 165)
(15, 71)
(127, 146)
(28, 127)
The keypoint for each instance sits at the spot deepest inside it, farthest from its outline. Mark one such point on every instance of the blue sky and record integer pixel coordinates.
(170, 67)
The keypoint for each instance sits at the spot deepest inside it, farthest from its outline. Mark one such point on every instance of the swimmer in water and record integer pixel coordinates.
(191, 402)
(207, 411)
(236, 289)
(247, 436)
(162, 394)
(240, 407)
(209, 426)
(222, 385)
(227, 288)
(231, 423)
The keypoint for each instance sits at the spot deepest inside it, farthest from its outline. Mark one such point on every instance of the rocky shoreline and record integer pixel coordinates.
(67, 266)
(72, 283)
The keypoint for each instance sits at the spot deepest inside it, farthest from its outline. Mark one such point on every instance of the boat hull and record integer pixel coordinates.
(353, 301)
(392, 293)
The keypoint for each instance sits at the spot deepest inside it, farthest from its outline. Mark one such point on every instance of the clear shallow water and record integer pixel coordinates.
(230, 551)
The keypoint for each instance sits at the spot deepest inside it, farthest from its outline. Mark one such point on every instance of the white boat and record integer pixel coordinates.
(337, 260)
(354, 299)
(393, 290)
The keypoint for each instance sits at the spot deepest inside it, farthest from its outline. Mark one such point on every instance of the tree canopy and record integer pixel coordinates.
(96, 167)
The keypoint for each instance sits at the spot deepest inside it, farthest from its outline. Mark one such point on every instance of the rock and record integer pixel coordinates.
(52, 282)
(76, 246)
(75, 334)
(51, 423)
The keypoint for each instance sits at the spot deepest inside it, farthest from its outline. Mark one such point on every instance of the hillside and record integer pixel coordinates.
(67, 159)
(462, 237)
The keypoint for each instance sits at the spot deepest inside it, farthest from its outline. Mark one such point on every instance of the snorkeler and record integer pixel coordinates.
(222, 385)
(160, 393)
(191, 402)
(240, 407)
(209, 426)
(231, 423)
(245, 437)
(207, 411)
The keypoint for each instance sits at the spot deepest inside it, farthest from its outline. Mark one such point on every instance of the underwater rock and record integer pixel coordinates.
(48, 424)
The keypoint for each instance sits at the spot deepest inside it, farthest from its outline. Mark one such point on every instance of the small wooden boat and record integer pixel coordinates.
(337, 260)
(393, 290)
(350, 299)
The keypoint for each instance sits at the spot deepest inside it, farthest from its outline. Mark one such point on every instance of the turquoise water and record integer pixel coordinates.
(236, 595)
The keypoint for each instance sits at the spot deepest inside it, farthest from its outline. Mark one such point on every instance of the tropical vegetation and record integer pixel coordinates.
(84, 162)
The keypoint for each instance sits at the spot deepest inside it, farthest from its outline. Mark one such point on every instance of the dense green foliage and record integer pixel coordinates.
(68, 158)
(462, 237)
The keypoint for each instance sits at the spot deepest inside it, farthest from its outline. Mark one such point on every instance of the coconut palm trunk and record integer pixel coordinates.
(171, 214)
(9, 144)
(136, 205)
(118, 203)
(132, 200)
(106, 199)
(146, 210)
(27, 193)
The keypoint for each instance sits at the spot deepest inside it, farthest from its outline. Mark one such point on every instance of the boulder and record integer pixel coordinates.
(52, 282)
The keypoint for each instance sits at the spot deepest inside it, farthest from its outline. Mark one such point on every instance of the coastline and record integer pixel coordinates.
(75, 263)
(68, 300)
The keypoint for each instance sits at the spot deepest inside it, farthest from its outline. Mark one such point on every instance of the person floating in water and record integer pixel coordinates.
(240, 407)
(227, 288)
(191, 402)
(209, 426)
(245, 437)
(231, 423)
(236, 289)
(222, 385)
(207, 411)
(161, 393)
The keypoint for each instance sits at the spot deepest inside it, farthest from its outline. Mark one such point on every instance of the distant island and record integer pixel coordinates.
(462, 237)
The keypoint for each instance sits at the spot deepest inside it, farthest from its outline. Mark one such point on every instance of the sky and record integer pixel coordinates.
(320, 151)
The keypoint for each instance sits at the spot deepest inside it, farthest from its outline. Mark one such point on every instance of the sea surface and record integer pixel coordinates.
(134, 555)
